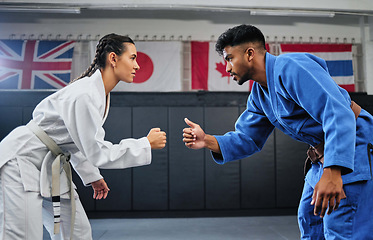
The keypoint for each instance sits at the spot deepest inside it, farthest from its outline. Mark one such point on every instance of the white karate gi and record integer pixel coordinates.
(73, 118)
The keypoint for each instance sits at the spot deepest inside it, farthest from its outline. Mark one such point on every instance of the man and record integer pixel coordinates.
(295, 93)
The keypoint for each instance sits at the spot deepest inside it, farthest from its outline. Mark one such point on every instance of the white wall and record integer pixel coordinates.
(201, 25)
(337, 5)
(369, 56)
(198, 25)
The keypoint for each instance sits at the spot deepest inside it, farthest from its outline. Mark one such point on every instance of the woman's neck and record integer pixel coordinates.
(109, 79)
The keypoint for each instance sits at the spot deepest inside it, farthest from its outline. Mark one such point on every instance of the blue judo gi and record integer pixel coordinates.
(303, 101)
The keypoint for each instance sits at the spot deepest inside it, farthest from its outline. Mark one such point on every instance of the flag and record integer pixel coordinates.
(338, 58)
(160, 68)
(34, 64)
(208, 70)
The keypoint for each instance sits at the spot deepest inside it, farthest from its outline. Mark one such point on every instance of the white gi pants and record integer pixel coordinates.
(22, 213)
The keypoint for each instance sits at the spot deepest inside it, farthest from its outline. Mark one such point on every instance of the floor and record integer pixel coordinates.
(196, 228)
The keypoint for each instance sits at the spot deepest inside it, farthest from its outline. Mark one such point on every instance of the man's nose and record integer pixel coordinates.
(228, 67)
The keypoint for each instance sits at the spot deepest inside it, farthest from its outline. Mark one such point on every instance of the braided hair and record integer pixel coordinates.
(109, 43)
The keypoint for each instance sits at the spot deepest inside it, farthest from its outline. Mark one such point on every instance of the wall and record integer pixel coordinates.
(183, 22)
(368, 54)
(335, 5)
(192, 25)
(180, 178)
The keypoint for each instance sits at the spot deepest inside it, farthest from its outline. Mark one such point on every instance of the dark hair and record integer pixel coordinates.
(109, 43)
(238, 35)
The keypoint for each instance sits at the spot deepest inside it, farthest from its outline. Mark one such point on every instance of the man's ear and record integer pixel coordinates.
(250, 52)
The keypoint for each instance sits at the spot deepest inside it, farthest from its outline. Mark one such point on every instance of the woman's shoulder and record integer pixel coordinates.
(75, 90)
(85, 87)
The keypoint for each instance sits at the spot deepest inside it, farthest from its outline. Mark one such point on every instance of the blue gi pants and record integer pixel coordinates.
(352, 219)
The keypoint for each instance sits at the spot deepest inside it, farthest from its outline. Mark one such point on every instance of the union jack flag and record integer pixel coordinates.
(34, 64)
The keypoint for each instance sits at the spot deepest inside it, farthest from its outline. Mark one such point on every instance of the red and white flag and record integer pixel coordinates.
(208, 70)
(338, 58)
(160, 68)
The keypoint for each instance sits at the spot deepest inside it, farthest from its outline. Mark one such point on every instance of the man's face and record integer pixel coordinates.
(238, 65)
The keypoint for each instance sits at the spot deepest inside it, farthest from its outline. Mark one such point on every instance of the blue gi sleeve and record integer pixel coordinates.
(305, 78)
(252, 129)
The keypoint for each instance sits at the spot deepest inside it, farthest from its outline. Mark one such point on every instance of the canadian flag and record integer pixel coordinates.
(338, 58)
(160, 68)
(208, 70)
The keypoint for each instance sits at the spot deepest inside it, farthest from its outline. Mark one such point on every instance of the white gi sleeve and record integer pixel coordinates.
(84, 123)
(85, 169)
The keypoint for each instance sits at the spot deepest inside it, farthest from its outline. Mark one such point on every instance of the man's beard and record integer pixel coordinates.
(243, 79)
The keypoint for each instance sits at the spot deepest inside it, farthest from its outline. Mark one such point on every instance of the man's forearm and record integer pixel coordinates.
(212, 144)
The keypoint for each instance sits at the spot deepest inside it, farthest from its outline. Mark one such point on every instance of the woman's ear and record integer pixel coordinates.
(112, 58)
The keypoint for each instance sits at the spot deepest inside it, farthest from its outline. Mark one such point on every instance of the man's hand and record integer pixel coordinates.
(194, 136)
(157, 138)
(328, 191)
(100, 189)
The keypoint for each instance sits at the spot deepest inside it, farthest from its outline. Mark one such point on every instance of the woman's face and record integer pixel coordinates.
(126, 65)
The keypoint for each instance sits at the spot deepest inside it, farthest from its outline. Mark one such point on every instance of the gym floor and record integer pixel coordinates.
(283, 227)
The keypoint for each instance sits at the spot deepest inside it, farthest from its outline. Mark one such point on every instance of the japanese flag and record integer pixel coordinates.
(160, 68)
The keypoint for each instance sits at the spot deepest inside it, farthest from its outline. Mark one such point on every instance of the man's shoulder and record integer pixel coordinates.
(293, 56)
(295, 59)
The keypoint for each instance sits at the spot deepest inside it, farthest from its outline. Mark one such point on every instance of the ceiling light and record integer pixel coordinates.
(40, 10)
(293, 13)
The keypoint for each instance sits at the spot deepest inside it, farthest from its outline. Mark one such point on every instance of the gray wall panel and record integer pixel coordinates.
(27, 114)
(119, 198)
(11, 117)
(187, 182)
(258, 185)
(117, 126)
(85, 193)
(290, 157)
(150, 183)
(180, 178)
(222, 181)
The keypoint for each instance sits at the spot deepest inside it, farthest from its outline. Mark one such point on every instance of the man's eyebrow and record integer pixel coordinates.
(134, 55)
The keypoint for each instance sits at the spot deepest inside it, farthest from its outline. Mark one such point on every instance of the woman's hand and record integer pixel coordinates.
(100, 189)
(157, 138)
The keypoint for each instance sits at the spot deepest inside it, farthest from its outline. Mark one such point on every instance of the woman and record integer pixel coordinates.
(73, 118)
